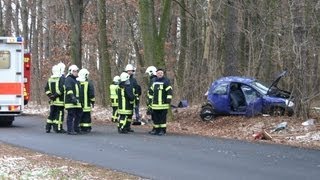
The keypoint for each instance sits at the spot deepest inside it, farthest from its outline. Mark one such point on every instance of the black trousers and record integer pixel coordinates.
(55, 118)
(85, 121)
(73, 119)
(125, 121)
(59, 118)
(159, 117)
(115, 115)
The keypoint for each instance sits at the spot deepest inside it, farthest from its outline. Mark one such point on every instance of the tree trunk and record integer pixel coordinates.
(104, 63)
(24, 20)
(300, 72)
(36, 78)
(76, 10)
(16, 18)
(231, 40)
(148, 30)
(183, 47)
(1, 21)
(8, 18)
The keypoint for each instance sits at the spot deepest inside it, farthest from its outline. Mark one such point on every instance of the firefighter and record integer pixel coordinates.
(54, 90)
(114, 98)
(72, 103)
(151, 71)
(87, 99)
(160, 95)
(59, 122)
(126, 99)
(137, 91)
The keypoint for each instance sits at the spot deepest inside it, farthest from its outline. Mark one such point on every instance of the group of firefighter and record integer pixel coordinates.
(125, 94)
(75, 93)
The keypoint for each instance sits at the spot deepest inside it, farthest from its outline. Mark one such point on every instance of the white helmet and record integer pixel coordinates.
(62, 67)
(55, 71)
(124, 77)
(73, 68)
(116, 79)
(83, 75)
(129, 67)
(151, 70)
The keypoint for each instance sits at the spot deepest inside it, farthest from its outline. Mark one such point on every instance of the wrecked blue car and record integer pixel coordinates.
(236, 95)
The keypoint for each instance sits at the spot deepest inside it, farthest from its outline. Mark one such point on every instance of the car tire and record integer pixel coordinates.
(277, 111)
(6, 121)
(207, 113)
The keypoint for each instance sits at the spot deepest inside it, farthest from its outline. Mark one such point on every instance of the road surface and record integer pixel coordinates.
(168, 157)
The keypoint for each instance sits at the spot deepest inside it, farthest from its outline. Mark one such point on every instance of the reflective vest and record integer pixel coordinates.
(54, 86)
(114, 95)
(160, 94)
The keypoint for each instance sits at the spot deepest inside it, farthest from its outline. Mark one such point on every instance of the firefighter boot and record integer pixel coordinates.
(162, 132)
(154, 131)
(48, 128)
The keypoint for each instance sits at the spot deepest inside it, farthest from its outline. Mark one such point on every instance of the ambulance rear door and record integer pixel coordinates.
(11, 76)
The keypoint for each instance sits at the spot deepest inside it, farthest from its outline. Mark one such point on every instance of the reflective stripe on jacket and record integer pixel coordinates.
(86, 95)
(114, 95)
(160, 94)
(54, 86)
(71, 91)
(126, 99)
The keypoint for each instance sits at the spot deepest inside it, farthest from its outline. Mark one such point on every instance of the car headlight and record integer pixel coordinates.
(289, 103)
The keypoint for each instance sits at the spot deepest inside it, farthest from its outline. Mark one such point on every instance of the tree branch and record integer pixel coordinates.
(184, 9)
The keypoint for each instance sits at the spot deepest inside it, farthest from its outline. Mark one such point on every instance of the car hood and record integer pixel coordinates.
(276, 81)
(275, 91)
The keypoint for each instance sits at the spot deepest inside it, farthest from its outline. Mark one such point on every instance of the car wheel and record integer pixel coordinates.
(6, 121)
(207, 113)
(277, 111)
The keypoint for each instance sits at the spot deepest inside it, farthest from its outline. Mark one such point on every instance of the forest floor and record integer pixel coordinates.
(20, 163)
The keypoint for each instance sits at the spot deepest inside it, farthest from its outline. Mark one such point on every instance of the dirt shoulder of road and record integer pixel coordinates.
(21, 163)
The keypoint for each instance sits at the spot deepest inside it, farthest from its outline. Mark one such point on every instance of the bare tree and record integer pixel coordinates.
(299, 33)
(231, 66)
(76, 10)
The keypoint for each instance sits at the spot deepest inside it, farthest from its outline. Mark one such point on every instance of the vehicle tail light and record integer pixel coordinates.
(14, 108)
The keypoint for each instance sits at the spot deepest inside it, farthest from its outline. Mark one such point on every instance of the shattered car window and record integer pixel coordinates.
(249, 93)
(260, 87)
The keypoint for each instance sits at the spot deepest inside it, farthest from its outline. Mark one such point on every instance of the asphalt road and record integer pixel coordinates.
(168, 157)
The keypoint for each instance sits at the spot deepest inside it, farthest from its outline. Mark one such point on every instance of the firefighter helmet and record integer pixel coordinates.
(83, 75)
(73, 68)
(116, 79)
(151, 70)
(124, 77)
(129, 67)
(55, 71)
(62, 67)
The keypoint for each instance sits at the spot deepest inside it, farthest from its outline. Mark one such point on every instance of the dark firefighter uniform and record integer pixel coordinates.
(114, 101)
(54, 90)
(72, 104)
(160, 95)
(125, 107)
(87, 98)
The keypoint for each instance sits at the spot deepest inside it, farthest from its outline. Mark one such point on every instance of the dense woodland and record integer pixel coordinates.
(196, 41)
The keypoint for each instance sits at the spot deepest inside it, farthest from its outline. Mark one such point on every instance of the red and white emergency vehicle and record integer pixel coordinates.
(13, 92)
